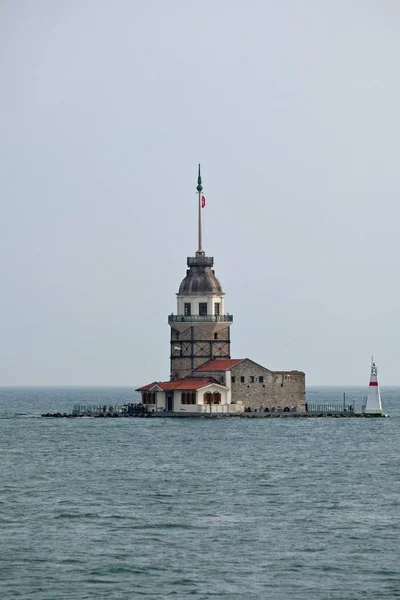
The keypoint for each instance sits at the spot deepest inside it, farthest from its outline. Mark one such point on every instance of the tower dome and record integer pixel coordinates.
(200, 277)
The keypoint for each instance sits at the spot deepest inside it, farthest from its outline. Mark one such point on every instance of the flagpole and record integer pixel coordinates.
(200, 189)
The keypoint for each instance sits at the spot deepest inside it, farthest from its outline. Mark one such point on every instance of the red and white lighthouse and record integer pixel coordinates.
(374, 404)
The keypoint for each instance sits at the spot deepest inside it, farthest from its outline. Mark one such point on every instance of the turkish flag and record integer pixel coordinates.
(203, 201)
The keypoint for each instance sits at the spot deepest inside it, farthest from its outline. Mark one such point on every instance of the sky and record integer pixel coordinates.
(106, 109)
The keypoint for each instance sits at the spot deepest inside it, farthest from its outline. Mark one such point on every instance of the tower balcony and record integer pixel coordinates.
(200, 319)
(200, 261)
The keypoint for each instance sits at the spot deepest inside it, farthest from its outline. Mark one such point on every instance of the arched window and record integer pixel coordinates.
(212, 398)
(207, 398)
(217, 398)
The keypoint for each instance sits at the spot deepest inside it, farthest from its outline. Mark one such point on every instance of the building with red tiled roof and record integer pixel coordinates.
(220, 364)
(186, 395)
(188, 383)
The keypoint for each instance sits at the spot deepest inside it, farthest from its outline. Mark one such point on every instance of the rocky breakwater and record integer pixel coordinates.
(103, 411)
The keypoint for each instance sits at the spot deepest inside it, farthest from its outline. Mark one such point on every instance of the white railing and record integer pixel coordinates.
(200, 318)
(220, 409)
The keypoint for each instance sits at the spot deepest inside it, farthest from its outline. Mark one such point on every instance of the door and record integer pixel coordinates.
(170, 402)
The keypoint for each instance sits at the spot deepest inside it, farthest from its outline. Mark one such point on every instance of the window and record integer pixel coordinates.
(233, 379)
(188, 398)
(261, 379)
(207, 398)
(149, 398)
(216, 308)
(215, 336)
(242, 379)
(187, 309)
(212, 398)
(251, 379)
(203, 309)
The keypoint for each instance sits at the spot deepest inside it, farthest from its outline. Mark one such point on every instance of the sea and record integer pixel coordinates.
(119, 509)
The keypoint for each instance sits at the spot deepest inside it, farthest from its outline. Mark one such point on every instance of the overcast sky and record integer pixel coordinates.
(106, 107)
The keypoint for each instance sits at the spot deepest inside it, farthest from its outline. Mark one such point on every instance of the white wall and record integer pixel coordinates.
(160, 404)
(222, 409)
(212, 389)
(196, 299)
(228, 383)
(160, 401)
(178, 407)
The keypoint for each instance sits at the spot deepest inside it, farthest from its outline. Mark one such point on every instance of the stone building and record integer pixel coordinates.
(200, 348)
(257, 387)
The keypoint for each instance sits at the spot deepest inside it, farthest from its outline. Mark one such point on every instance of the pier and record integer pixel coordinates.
(133, 410)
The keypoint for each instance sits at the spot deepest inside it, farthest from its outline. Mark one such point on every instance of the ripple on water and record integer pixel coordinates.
(213, 509)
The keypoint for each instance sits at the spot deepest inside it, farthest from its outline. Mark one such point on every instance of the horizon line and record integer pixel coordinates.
(133, 387)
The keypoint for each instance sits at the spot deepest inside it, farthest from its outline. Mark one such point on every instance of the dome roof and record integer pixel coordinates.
(200, 280)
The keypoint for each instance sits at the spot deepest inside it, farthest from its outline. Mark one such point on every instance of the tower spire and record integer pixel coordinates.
(199, 190)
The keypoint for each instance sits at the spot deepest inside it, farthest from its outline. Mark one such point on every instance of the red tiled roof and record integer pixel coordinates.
(188, 383)
(219, 364)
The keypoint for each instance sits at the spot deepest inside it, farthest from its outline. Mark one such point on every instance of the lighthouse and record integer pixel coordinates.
(374, 405)
(200, 329)
(204, 379)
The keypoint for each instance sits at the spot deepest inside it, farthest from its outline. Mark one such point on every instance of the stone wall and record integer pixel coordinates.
(276, 390)
(199, 334)
(193, 347)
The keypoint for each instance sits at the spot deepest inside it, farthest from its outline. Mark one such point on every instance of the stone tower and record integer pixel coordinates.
(200, 331)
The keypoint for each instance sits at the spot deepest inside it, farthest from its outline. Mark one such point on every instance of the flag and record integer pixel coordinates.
(203, 201)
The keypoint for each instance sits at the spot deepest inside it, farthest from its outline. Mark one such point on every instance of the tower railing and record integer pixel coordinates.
(207, 261)
(200, 318)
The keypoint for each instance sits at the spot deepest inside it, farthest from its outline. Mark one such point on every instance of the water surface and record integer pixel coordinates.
(226, 508)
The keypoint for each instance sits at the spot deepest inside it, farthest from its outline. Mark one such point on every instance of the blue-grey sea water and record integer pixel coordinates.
(211, 509)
